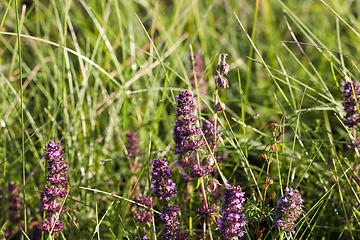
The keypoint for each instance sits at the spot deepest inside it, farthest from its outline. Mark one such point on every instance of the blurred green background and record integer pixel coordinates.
(93, 71)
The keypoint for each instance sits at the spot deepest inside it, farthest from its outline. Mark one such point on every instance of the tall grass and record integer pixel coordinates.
(93, 71)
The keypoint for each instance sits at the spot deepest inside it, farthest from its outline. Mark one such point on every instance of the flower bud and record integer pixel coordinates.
(221, 81)
(224, 68)
(219, 107)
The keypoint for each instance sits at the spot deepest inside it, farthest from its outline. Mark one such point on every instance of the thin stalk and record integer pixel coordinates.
(22, 115)
(204, 199)
(251, 51)
(267, 184)
(264, 197)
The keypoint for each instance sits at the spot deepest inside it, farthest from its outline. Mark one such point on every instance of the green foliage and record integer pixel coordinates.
(93, 71)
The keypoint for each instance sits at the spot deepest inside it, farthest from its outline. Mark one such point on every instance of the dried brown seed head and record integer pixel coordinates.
(221, 81)
(208, 161)
(212, 185)
(224, 68)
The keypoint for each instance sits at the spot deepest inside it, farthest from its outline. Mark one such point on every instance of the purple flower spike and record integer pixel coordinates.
(161, 179)
(171, 229)
(232, 222)
(208, 128)
(350, 106)
(143, 215)
(206, 212)
(288, 210)
(132, 139)
(55, 192)
(197, 172)
(185, 129)
(186, 104)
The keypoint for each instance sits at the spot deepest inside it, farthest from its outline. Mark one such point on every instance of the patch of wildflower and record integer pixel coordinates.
(132, 139)
(350, 103)
(143, 215)
(208, 128)
(161, 179)
(53, 194)
(288, 210)
(12, 212)
(206, 212)
(232, 222)
(172, 229)
(185, 130)
(198, 172)
(15, 204)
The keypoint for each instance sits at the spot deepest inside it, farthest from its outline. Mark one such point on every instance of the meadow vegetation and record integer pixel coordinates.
(105, 81)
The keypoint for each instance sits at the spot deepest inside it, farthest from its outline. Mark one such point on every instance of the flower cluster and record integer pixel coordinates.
(198, 172)
(142, 215)
(232, 222)
(12, 211)
(55, 191)
(288, 210)
(132, 139)
(185, 129)
(350, 103)
(208, 128)
(15, 204)
(206, 212)
(165, 188)
(161, 179)
(172, 229)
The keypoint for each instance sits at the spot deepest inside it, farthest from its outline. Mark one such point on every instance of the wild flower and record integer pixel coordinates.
(12, 211)
(161, 179)
(172, 229)
(288, 210)
(15, 204)
(208, 128)
(186, 105)
(143, 215)
(185, 130)
(165, 188)
(351, 102)
(198, 172)
(132, 139)
(206, 212)
(232, 222)
(55, 191)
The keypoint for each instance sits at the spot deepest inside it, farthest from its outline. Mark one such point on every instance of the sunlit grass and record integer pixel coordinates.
(92, 71)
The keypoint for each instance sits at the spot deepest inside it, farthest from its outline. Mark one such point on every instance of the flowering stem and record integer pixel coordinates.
(265, 191)
(202, 182)
(204, 199)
